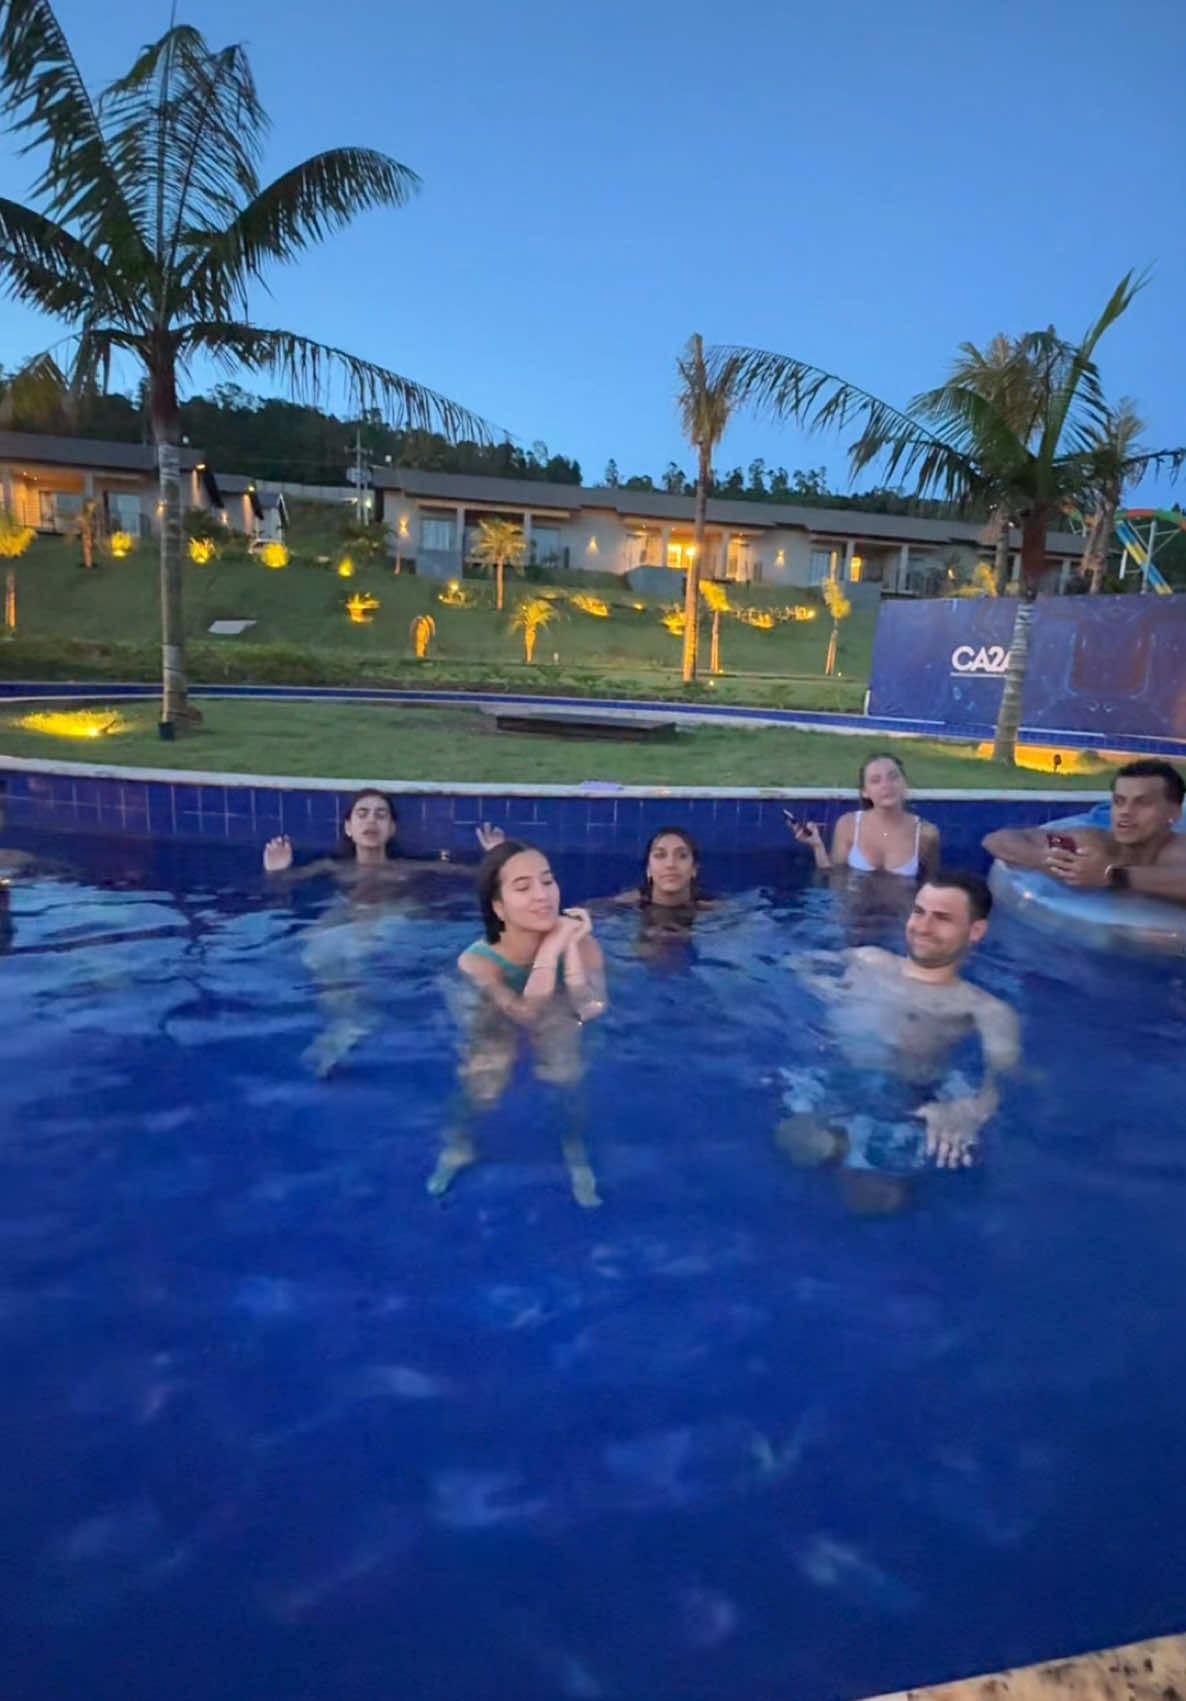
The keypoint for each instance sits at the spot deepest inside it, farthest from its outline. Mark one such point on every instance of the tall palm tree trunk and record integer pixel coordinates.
(692, 579)
(166, 430)
(1033, 565)
(1095, 550)
(498, 566)
(1000, 557)
(174, 696)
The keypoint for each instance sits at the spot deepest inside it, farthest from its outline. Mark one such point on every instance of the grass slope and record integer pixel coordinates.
(302, 607)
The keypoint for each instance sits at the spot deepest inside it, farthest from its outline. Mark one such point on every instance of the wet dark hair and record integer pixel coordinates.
(973, 886)
(1151, 768)
(347, 849)
(877, 756)
(645, 884)
(489, 884)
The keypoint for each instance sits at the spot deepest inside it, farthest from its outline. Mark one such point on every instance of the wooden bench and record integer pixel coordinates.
(580, 724)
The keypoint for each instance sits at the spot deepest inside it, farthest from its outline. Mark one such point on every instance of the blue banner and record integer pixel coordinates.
(1106, 664)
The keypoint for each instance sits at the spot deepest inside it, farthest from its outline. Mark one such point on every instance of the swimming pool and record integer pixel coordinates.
(281, 1426)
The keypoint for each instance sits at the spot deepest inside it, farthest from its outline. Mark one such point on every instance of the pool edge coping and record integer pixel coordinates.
(474, 788)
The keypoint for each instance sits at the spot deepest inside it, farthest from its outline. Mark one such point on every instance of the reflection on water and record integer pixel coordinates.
(277, 1422)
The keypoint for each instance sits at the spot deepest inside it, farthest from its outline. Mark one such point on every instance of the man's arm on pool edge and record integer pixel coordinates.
(1020, 847)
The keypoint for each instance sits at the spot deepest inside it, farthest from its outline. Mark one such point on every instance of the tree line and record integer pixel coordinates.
(293, 443)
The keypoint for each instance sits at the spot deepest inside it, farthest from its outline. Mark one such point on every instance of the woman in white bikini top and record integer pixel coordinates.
(882, 835)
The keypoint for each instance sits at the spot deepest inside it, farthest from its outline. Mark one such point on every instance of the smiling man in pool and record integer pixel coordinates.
(897, 1022)
(1141, 852)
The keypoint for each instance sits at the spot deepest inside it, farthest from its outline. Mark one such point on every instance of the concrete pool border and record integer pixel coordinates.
(440, 818)
(1153, 1670)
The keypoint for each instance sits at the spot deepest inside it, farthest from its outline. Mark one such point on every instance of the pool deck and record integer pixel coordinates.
(1138, 1671)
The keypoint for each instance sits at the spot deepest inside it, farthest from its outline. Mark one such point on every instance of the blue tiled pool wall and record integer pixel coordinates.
(432, 822)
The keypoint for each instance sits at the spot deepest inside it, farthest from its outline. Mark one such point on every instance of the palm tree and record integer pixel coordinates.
(1113, 461)
(150, 227)
(706, 399)
(530, 618)
(1000, 374)
(500, 544)
(1015, 429)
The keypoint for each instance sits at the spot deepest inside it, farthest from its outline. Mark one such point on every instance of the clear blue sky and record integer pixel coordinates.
(859, 183)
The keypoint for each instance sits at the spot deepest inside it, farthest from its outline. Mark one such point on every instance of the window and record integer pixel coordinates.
(124, 510)
(59, 508)
(436, 531)
(545, 543)
(821, 565)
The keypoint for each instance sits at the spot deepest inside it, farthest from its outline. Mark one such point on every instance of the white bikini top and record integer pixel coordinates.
(858, 859)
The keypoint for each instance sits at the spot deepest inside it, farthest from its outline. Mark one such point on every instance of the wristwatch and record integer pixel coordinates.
(1117, 875)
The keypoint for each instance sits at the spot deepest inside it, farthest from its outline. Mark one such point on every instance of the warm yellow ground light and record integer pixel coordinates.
(1050, 759)
(76, 723)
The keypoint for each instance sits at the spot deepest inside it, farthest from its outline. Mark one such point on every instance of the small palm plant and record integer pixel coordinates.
(14, 538)
(839, 607)
(87, 527)
(501, 544)
(422, 632)
(716, 599)
(530, 618)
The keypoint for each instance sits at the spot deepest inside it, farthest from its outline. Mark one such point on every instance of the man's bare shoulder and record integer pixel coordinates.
(873, 954)
(1173, 854)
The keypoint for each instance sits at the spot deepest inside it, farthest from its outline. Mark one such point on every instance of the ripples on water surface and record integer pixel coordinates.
(278, 1426)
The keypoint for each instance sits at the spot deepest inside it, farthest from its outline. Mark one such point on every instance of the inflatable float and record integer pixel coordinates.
(1109, 921)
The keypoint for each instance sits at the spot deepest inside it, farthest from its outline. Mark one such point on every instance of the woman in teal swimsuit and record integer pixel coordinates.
(539, 971)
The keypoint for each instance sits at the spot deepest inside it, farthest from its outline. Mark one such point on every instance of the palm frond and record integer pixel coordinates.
(45, 98)
(705, 398)
(303, 206)
(987, 453)
(1078, 411)
(1165, 461)
(933, 466)
(308, 367)
(1012, 374)
(781, 387)
(185, 128)
(44, 266)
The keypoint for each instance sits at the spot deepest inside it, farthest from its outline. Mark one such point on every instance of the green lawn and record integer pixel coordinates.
(352, 741)
(98, 623)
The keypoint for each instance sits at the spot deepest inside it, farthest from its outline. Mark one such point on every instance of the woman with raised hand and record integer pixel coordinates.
(340, 947)
(882, 835)
(540, 973)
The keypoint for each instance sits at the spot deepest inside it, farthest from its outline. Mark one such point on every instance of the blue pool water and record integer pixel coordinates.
(278, 1426)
